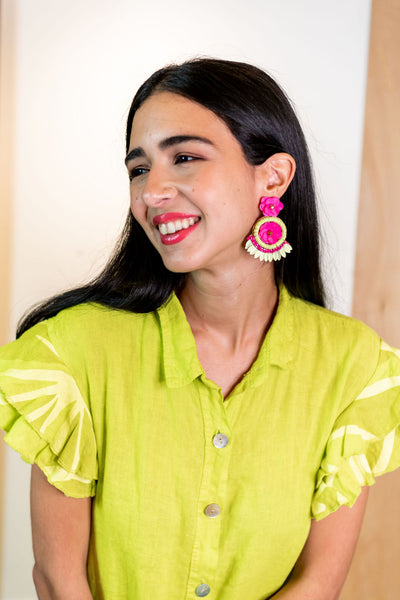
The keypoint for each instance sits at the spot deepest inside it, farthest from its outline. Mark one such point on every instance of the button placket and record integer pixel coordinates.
(212, 492)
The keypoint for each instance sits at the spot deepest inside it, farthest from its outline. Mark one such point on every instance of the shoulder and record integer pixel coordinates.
(316, 322)
(93, 313)
(84, 334)
(92, 331)
(91, 321)
(334, 340)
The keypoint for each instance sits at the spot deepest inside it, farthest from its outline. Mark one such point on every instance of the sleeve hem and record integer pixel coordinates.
(22, 438)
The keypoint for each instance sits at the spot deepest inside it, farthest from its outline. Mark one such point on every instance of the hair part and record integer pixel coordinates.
(261, 117)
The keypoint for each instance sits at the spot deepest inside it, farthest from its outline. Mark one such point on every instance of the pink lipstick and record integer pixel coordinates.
(174, 238)
(175, 227)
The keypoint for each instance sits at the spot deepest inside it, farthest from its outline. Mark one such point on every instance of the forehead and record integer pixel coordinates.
(166, 114)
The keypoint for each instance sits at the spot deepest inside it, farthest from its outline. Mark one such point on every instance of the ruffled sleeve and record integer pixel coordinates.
(365, 439)
(45, 415)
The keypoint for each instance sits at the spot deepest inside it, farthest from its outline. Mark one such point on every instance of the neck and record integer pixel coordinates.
(235, 304)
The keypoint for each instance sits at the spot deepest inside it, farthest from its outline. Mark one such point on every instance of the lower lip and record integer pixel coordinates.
(174, 238)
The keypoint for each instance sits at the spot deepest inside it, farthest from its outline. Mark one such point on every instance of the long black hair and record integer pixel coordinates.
(260, 116)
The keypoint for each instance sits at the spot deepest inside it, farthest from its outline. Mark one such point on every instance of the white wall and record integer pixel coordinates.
(78, 64)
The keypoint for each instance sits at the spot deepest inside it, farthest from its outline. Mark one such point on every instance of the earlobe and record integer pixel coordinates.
(276, 173)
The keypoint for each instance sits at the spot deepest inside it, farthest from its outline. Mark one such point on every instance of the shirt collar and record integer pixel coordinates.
(180, 360)
(181, 363)
(278, 345)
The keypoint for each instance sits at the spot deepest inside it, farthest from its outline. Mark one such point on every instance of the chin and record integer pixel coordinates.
(183, 266)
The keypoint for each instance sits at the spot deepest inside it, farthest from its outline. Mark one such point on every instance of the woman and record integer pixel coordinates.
(198, 421)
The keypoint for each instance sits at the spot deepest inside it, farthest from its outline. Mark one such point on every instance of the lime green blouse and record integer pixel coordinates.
(193, 495)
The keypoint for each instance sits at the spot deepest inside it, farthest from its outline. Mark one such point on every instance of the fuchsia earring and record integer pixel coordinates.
(268, 238)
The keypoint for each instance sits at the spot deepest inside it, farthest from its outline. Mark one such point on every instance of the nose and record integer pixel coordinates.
(158, 188)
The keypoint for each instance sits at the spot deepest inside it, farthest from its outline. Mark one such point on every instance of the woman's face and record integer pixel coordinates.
(191, 188)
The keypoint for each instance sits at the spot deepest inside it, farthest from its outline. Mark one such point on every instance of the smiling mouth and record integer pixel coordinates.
(177, 225)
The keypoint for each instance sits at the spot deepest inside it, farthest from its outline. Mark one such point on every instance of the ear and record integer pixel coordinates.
(275, 174)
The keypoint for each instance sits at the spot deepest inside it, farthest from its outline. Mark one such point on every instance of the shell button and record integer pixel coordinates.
(203, 590)
(212, 510)
(220, 440)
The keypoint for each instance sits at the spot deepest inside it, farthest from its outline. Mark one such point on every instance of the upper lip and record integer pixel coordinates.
(172, 216)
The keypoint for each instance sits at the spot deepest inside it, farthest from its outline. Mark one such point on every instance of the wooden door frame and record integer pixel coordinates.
(374, 574)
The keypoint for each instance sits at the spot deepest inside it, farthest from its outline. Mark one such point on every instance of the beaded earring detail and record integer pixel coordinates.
(267, 241)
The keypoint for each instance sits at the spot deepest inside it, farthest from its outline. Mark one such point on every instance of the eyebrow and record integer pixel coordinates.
(167, 143)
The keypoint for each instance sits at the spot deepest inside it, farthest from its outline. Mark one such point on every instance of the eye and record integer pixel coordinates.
(183, 158)
(136, 172)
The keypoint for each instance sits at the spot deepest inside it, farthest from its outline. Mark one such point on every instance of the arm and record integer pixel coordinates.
(60, 533)
(323, 564)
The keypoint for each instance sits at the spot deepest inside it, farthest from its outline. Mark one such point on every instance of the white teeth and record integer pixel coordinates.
(174, 226)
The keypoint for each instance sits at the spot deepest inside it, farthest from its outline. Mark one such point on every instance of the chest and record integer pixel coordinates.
(224, 368)
(162, 467)
(160, 472)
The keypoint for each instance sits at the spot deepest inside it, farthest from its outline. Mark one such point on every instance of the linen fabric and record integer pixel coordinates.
(116, 405)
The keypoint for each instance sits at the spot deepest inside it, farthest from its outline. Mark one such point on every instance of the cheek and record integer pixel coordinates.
(138, 208)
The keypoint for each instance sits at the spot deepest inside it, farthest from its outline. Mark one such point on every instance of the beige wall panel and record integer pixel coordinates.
(375, 573)
(6, 138)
